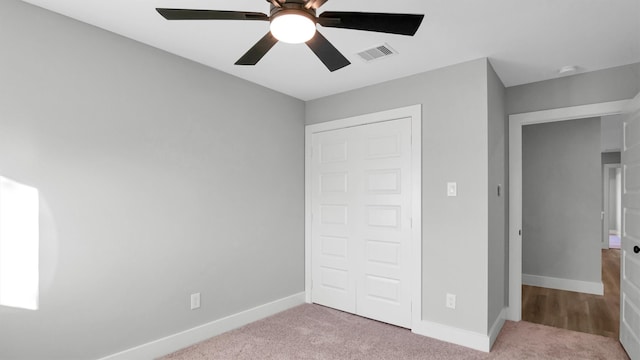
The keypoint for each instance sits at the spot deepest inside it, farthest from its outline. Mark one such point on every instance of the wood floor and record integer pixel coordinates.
(587, 313)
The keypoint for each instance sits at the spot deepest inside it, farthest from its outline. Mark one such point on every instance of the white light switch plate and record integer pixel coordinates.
(452, 189)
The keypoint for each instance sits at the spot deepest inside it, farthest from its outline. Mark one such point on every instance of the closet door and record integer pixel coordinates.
(361, 226)
(384, 232)
(334, 219)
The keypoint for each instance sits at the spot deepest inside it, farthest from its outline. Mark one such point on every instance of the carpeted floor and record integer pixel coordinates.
(317, 332)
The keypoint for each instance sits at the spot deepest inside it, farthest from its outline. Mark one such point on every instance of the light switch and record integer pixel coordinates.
(452, 189)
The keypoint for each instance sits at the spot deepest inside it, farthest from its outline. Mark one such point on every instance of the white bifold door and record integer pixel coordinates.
(361, 224)
(630, 252)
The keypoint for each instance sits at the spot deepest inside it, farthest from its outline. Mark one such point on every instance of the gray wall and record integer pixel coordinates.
(498, 205)
(454, 148)
(561, 197)
(156, 179)
(611, 133)
(619, 83)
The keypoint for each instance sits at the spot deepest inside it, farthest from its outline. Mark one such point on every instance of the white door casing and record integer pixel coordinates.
(363, 193)
(630, 251)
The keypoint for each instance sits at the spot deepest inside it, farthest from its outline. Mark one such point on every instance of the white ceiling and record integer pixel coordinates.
(526, 40)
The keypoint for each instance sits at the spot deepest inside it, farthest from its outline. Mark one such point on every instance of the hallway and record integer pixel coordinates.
(587, 313)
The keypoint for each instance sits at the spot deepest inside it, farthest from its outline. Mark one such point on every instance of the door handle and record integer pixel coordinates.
(636, 249)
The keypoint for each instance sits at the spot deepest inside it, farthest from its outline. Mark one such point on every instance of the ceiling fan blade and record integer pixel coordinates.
(401, 24)
(258, 50)
(327, 53)
(314, 4)
(186, 14)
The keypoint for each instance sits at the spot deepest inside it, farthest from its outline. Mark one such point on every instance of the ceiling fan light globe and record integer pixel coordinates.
(293, 28)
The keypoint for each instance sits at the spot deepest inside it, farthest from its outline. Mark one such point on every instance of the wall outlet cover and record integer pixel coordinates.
(452, 189)
(451, 301)
(195, 301)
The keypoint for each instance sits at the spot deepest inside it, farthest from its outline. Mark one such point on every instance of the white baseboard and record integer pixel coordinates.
(200, 333)
(588, 287)
(450, 334)
(466, 338)
(497, 326)
(512, 313)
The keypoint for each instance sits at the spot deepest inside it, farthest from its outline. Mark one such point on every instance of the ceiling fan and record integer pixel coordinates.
(294, 21)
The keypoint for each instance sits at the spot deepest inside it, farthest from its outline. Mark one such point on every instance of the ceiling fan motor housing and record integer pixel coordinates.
(296, 7)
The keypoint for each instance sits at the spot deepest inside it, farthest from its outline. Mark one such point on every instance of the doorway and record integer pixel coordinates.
(612, 206)
(362, 250)
(628, 310)
(562, 203)
(516, 122)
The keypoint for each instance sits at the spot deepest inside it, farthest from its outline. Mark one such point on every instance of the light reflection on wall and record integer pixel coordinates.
(19, 245)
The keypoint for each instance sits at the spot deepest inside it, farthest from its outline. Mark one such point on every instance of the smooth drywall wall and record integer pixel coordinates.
(619, 83)
(497, 190)
(158, 178)
(454, 149)
(561, 198)
(611, 133)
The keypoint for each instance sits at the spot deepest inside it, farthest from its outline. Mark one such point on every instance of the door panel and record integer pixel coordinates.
(387, 203)
(361, 231)
(633, 178)
(332, 223)
(333, 151)
(333, 182)
(383, 216)
(630, 266)
(631, 274)
(383, 181)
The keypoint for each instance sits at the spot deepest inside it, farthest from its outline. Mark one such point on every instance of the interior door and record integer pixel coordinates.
(334, 219)
(385, 234)
(630, 253)
(361, 228)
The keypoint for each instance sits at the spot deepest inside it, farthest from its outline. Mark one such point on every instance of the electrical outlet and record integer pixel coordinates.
(195, 301)
(451, 301)
(452, 189)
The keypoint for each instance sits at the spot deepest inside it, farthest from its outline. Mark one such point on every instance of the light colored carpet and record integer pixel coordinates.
(317, 332)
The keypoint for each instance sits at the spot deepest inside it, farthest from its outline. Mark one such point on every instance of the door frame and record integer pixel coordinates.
(606, 210)
(516, 122)
(415, 113)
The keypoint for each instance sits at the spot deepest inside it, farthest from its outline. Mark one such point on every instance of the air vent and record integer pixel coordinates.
(377, 52)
